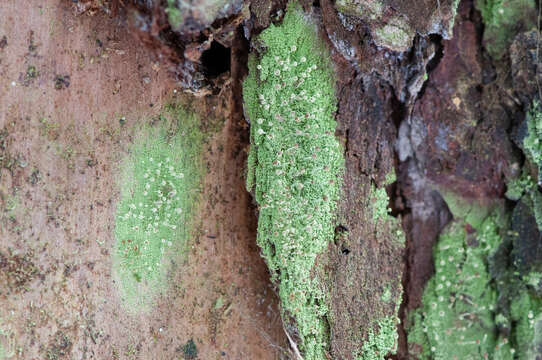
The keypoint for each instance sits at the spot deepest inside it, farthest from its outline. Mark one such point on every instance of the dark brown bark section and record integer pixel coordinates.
(459, 142)
(366, 259)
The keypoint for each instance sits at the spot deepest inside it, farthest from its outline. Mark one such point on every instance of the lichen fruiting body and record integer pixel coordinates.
(295, 166)
(159, 188)
(381, 343)
(475, 306)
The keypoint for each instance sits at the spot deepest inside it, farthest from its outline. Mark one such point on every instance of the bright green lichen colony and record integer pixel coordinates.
(160, 186)
(515, 188)
(383, 342)
(503, 19)
(295, 166)
(380, 208)
(381, 212)
(456, 321)
(474, 307)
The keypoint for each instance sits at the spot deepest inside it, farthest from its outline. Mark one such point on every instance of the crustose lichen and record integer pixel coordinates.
(295, 166)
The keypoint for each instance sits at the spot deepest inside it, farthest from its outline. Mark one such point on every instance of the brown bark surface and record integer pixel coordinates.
(434, 109)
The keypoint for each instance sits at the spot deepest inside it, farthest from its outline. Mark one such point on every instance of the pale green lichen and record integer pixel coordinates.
(471, 212)
(392, 32)
(503, 19)
(159, 188)
(473, 307)
(295, 166)
(449, 30)
(174, 14)
(373, 9)
(381, 212)
(381, 343)
(397, 36)
(457, 320)
(386, 295)
(533, 279)
(536, 199)
(380, 202)
(7, 344)
(516, 187)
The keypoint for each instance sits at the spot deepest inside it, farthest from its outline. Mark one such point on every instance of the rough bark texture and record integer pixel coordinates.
(365, 261)
(420, 96)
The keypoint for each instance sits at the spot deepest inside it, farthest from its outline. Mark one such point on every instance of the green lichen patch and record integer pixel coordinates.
(295, 166)
(380, 208)
(525, 314)
(503, 19)
(7, 344)
(7, 341)
(477, 305)
(471, 211)
(516, 187)
(174, 14)
(451, 23)
(381, 343)
(534, 280)
(396, 36)
(457, 317)
(159, 188)
(381, 212)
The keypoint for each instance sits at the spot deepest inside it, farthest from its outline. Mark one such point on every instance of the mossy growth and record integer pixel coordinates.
(476, 305)
(532, 143)
(381, 212)
(174, 14)
(515, 188)
(470, 211)
(380, 202)
(525, 314)
(524, 188)
(295, 166)
(533, 279)
(456, 320)
(160, 186)
(382, 343)
(503, 19)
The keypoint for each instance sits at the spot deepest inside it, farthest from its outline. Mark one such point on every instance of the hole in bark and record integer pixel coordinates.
(345, 251)
(216, 60)
(316, 3)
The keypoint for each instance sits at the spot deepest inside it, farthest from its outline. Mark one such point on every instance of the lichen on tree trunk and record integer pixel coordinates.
(436, 107)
